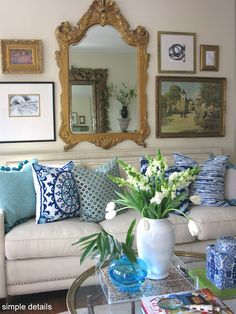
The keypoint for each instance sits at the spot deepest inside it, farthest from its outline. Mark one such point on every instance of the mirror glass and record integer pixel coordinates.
(104, 48)
(103, 75)
(82, 108)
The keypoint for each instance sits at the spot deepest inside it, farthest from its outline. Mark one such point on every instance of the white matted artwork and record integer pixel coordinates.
(176, 52)
(27, 112)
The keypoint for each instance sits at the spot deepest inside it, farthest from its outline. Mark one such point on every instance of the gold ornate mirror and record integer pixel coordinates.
(103, 74)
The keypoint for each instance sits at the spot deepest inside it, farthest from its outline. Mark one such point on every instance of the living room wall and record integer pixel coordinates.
(213, 21)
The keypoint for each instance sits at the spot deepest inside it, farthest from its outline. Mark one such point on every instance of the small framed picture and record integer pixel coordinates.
(81, 119)
(74, 118)
(209, 58)
(21, 56)
(176, 52)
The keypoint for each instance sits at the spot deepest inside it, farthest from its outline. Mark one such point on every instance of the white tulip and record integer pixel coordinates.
(110, 214)
(110, 206)
(193, 228)
(195, 199)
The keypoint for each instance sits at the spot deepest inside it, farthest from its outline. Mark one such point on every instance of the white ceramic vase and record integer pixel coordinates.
(155, 244)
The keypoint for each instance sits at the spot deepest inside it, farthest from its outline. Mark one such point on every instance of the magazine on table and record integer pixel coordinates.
(199, 301)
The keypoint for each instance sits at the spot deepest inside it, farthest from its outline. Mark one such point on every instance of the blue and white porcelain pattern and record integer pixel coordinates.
(226, 245)
(56, 193)
(221, 263)
(209, 184)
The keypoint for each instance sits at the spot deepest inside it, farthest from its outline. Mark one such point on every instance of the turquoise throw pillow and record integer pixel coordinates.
(96, 190)
(56, 191)
(17, 194)
(209, 184)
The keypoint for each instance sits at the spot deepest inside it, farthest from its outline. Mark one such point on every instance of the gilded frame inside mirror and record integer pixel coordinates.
(98, 79)
(102, 13)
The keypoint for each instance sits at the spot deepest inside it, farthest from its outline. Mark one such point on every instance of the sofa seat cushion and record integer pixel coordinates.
(182, 234)
(214, 221)
(119, 225)
(30, 240)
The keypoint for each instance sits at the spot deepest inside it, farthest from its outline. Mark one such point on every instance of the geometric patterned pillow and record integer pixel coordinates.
(96, 190)
(209, 184)
(56, 193)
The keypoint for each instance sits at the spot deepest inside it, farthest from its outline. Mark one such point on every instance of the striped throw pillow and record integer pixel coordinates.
(209, 184)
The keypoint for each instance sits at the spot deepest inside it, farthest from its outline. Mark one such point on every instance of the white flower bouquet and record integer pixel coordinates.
(154, 194)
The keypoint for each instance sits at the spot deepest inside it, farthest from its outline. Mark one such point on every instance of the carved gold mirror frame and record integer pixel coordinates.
(102, 12)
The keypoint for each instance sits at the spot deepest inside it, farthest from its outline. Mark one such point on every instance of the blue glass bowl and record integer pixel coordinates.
(127, 276)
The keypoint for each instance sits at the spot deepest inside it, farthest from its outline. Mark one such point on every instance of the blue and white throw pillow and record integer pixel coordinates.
(56, 193)
(209, 184)
(17, 194)
(183, 207)
(96, 190)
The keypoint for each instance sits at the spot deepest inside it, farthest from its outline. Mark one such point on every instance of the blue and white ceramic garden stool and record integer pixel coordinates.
(221, 263)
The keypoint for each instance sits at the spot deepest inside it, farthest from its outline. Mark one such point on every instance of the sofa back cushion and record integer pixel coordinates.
(230, 184)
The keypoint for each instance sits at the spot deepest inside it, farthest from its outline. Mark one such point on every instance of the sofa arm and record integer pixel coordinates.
(3, 290)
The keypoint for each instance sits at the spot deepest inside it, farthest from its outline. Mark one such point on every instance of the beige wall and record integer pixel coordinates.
(213, 21)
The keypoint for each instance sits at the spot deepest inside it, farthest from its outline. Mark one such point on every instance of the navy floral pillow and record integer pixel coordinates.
(56, 193)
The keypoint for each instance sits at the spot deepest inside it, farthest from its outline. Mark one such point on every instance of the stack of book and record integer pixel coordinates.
(199, 301)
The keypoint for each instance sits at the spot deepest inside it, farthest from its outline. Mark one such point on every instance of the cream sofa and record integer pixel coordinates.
(40, 257)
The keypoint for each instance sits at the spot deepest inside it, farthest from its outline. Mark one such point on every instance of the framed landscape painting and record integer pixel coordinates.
(190, 106)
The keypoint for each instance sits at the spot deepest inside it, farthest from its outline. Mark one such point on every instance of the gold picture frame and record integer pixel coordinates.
(21, 56)
(190, 106)
(209, 58)
(176, 52)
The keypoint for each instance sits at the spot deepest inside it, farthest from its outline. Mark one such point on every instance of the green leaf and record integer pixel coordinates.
(111, 244)
(100, 249)
(85, 238)
(87, 251)
(130, 237)
(129, 252)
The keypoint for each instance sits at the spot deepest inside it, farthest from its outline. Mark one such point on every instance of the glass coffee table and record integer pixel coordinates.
(93, 293)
